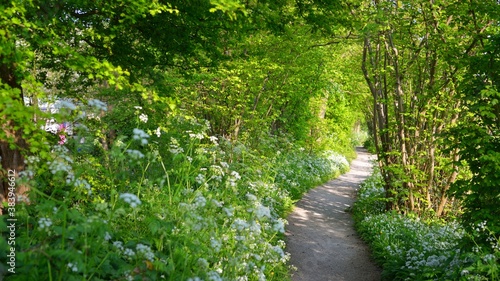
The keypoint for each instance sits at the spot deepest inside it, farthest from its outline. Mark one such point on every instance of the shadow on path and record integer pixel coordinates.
(320, 235)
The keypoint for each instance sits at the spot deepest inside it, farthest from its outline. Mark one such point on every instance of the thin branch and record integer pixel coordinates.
(348, 36)
(324, 44)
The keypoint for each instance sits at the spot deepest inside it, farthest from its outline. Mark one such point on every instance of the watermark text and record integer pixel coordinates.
(11, 221)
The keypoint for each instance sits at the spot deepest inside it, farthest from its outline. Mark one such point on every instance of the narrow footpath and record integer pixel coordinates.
(320, 235)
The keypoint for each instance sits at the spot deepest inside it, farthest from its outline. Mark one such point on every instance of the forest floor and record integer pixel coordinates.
(321, 238)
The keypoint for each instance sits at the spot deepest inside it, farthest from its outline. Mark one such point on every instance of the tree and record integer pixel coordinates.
(124, 48)
(89, 43)
(411, 61)
(477, 135)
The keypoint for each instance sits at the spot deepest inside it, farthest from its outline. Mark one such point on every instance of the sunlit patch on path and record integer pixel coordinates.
(320, 236)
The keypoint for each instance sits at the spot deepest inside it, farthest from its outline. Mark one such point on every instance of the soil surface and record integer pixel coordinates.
(320, 235)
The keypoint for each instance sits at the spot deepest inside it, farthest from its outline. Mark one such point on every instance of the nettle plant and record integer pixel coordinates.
(161, 204)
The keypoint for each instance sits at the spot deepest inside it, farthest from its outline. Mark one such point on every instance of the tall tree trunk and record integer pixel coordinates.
(10, 148)
(380, 116)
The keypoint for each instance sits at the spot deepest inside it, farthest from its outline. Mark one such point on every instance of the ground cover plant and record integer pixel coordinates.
(411, 248)
(173, 203)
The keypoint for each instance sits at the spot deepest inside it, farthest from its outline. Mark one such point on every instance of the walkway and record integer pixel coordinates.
(320, 236)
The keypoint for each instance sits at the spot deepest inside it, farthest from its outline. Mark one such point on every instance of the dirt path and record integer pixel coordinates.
(321, 238)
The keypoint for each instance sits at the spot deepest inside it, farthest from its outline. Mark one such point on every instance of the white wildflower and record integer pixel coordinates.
(239, 224)
(229, 211)
(44, 223)
(23, 198)
(279, 225)
(200, 178)
(73, 267)
(214, 276)
(217, 203)
(66, 104)
(203, 263)
(235, 176)
(70, 177)
(200, 201)
(63, 161)
(251, 197)
(131, 199)
(145, 251)
(143, 118)
(196, 136)
(255, 228)
(279, 251)
(215, 244)
(129, 252)
(141, 136)
(128, 276)
(119, 143)
(175, 147)
(28, 173)
(51, 126)
(214, 140)
(118, 245)
(98, 104)
(262, 211)
(135, 154)
(83, 183)
(158, 132)
(107, 236)
(488, 257)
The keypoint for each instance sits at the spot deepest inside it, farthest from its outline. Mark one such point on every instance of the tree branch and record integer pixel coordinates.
(348, 36)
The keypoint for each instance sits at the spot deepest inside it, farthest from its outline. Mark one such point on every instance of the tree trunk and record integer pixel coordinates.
(11, 147)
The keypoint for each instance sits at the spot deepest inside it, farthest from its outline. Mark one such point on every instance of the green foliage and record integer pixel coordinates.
(369, 144)
(175, 203)
(478, 139)
(314, 170)
(370, 198)
(280, 85)
(12, 108)
(142, 189)
(416, 67)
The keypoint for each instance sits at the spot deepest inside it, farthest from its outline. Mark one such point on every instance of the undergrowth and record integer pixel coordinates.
(161, 202)
(410, 248)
